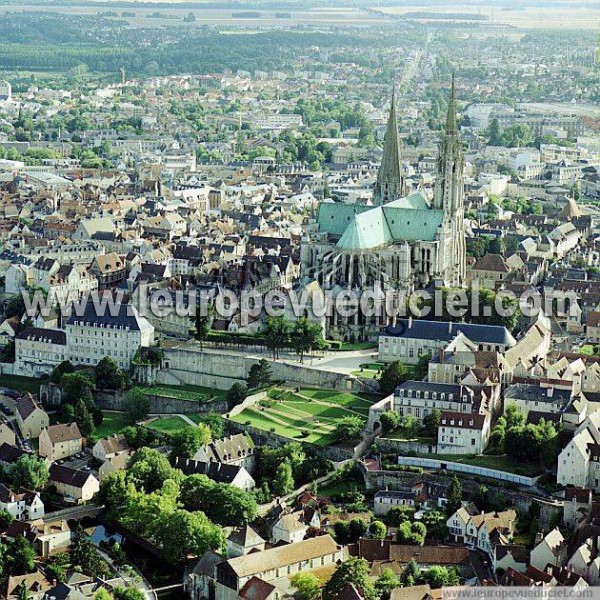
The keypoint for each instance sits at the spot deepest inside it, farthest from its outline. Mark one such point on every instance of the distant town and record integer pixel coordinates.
(299, 302)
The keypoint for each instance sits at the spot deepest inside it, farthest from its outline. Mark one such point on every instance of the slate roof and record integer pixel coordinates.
(68, 476)
(39, 334)
(445, 331)
(26, 405)
(124, 315)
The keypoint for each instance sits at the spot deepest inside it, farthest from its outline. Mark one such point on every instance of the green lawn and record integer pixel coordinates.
(21, 384)
(490, 461)
(168, 424)
(114, 422)
(309, 414)
(186, 392)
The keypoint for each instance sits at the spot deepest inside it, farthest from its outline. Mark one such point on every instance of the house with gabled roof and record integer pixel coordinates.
(30, 417)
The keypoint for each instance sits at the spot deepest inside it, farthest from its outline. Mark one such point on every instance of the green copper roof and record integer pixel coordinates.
(414, 201)
(367, 230)
(334, 217)
(407, 219)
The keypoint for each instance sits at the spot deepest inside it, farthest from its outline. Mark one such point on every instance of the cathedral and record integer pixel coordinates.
(400, 242)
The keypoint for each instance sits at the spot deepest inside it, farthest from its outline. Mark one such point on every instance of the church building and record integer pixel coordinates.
(400, 242)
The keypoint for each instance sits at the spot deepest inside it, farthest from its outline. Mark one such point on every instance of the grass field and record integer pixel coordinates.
(309, 414)
(114, 422)
(168, 424)
(185, 392)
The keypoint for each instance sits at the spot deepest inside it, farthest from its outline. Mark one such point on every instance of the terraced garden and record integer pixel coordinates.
(308, 414)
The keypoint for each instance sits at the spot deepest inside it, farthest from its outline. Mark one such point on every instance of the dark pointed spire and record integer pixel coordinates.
(451, 119)
(390, 184)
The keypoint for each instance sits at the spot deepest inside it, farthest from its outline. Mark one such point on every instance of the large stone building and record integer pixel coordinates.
(403, 242)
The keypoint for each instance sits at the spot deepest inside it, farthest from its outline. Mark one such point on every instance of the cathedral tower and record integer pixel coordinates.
(390, 180)
(449, 196)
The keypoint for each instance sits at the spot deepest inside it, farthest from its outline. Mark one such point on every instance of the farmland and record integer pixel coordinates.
(307, 414)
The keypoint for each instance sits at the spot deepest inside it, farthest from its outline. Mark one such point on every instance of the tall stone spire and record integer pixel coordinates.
(390, 181)
(449, 196)
(451, 118)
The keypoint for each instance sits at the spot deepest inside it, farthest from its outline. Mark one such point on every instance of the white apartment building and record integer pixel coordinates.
(91, 337)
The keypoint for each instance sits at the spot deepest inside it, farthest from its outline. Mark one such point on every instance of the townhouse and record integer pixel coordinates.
(23, 505)
(30, 417)
(60, 441)
(75, 485)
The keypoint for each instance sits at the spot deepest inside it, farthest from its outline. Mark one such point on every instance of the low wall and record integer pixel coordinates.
(437, 464)
(389, 446)
(438, 484)
(161, 404)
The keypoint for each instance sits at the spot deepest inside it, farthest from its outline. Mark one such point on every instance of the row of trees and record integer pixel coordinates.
(357, 571)
(158, 502)
(526, 442)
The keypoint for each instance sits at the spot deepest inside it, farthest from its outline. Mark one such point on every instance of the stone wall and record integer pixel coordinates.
(404, 447)
(161, 404)
(519, 498)
(206, 367)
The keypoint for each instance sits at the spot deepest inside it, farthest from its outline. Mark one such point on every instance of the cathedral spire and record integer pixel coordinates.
(451, 118)
(390, 182)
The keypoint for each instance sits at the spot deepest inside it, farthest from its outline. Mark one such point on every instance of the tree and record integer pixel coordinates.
(236, 395)
(399, 514)
(109, 375)
(493, 133)
(30, 472)
(62, 369)
(308, 586)
(77, 385)
(136, 405)
(341, 532)
(391, 377)
(129, 594)
(186, 533)
(481, 498)
(377, 530)
(348, 428)
(356, 571)
(411, 533)
(149, 469)
(435, 522)
(389, 420)
(103, 594)
(454, 496)
(409, 575)
(20, 556)
(5, 519)
(84, 419)
(432, 421)
(260, 374)
(185, 443)
(422, 367)
(438, 577)
(357, 529)
(283, 483)
(386, 583)
(514, 417)
(277, 332)
(306, 337)
(84, 555)
(202, 323)
(23, 592)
